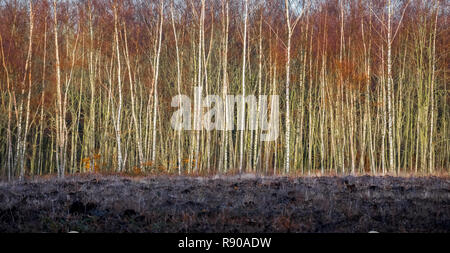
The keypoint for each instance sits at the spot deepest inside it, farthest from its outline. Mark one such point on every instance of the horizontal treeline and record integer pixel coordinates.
(87, 85)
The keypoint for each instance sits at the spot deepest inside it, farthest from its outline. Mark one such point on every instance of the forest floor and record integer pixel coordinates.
(93, 203)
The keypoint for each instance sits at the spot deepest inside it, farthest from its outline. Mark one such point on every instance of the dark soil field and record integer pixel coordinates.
(229, 204)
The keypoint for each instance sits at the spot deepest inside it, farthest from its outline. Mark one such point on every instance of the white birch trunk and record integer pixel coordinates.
(155, 92)
(244, 53)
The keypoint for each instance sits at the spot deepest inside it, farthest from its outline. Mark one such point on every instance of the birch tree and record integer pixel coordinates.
(178, 82)
(60, 118)
(244, 53)
(290, 29)
(155, 84)
(117, 124)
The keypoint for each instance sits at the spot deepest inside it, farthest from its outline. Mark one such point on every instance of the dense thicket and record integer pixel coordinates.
(87, 85)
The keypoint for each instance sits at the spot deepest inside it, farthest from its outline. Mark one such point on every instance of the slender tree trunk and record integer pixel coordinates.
(119, 84)
(41, 121)
(431, 158)
(225, 21)
(155, 92)
(244, 53)
(389, 90)
(92, 116)
(178, 84)
(256, 150)
(288, 65)
(60, 141)
(8, 129)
